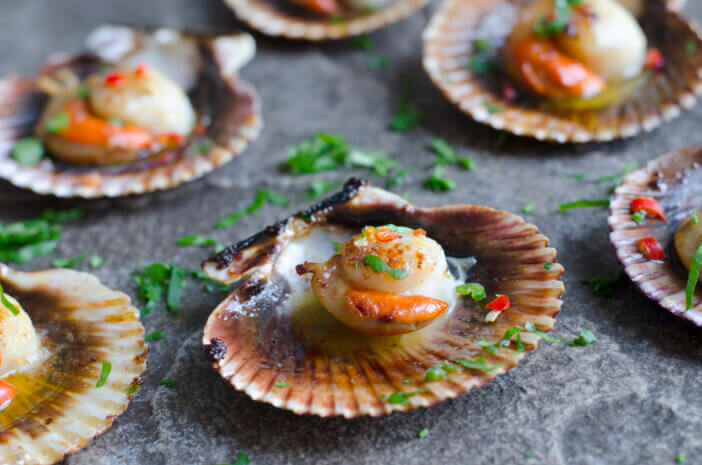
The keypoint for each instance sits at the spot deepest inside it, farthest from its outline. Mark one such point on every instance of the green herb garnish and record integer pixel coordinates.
(83, 92)
(363, 42)
(58, 122)
(96, 261)
(690, 47)
(557, 23)
(474, 290)
(423, 433)
(200, 241)
(438, 181)
(692, 277)
(379, 266)
(585, 338)
(529, 326)
(68, 262)
(604, 287)
(318, 188)
(529, 208)
(528, 454)
(681, 458)
(492, 347)
(23, 241)
(28, 151)
(548, 265)
(482, 62)
(638, 216)
(6, 302)
(446, 155)
(491, 107)
(282, 384)
(402, 397)
(158, 280)
(262, 196)
(618, 178)
(694, 218)
(205, 147)
(407, 114)
(62, 216)
(479, 364)
(155, 336)
(104, 373)
(379, 62)
(169, 383)
(439, 372)
(131, 389)
(584, 203)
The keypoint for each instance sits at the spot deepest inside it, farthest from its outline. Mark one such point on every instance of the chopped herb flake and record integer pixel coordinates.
(379, 266)
(491, 107)
(694, 216)
(423, 433)
(548, 265)
(402, 397)
(62, 216)
(170, 384)
(205, 147)
(474, 290)
(262, 196)
(528, 454)
(584, 203)
(492, 347)
(529, 208)
(439, 372)
(379, 62)
(690, 47)
(28, 151)
(155, 336)
(158, 280)
(131, 389)
(363, 42)
(681, 458)
(638, 216)
(68, 262)
(282, 384)
(104, 373)
(200, 241)
(529, 326)
(337, 245)
(83, 92)
(318, 188)
(479, 364)
(96, 261)
(604, 287)
(57, 122)
(585, 338)
(692, 277)
(6, 302)
(439, 182)
(407, 114)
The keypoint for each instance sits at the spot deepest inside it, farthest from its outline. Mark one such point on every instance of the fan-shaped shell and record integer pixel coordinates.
(674, 180)
(332, 370)
(448, 50)
(58, 409)
(232, 104)
(275, 18)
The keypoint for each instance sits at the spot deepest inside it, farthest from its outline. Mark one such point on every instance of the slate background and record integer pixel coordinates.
(635, 397)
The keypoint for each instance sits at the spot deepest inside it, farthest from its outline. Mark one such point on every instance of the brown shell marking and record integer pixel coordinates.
(236, 122)
(674, 180)
(275, 18)
(448, 50)
(334, 371)
(58, 410)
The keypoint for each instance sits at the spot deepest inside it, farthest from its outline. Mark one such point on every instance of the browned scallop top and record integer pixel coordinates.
(256, 340)
(675, 182)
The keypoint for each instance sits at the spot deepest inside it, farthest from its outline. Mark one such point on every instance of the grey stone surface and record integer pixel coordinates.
(635, 397)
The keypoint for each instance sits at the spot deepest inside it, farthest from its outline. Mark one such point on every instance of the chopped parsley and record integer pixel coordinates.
(23, 241)
(528, 454)
(131, 389)
(694, 218)
(690, 47)
(398, 177)
(379, 266)
(6, 302)
(62, 216)
(363, 42)
(96, 261)
(692, 277)
(680, 458)
(379, 62)
(548, 265)
(402, 397)
(584, 203)
(68, 262)
(262, 196)
(170, 384)
(337, 245)
(578, 176)
(491, 107)
(205, 147)
(158, 280)
(492, 347)
(447, 155)
(439, 372)
(104, 373)
(529, 326)
(407, 114)
(604, 287)
(438, 182)
(479, 364)
(474, 290)
(83, 92)
(57, 122)
(529, 208)
(423, 433)
(242, 459)
(282, 384)
(155, 336)
(557, 22)
(482, 62)
(326, 152)
(28, 151)
(585, 338)
(201, 241)
(320, 187)
(638, 216)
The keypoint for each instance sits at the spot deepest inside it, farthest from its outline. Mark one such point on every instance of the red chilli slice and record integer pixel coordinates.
(648, 205)
(499, 304)
(651, 248)
(654, 59)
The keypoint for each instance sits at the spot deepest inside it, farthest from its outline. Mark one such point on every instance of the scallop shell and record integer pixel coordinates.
(448, 49)
(334, 371)
(58, 409)
(274, 18)
(674, 181)
(236, 119)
